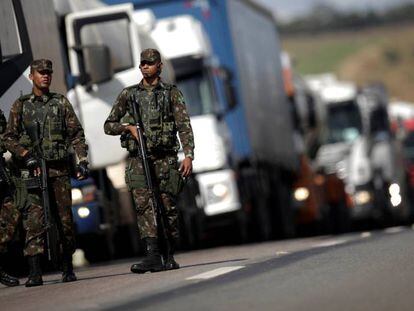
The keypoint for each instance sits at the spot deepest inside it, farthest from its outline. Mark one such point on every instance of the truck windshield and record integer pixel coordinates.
(408, 144)
(198, 93)
(115, 35)
(343, 122)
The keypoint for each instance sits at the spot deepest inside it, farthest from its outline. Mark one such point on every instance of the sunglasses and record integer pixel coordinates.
(145, 62)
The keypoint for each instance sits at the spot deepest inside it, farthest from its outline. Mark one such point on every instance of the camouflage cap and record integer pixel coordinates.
(42, 64)
(150, 55)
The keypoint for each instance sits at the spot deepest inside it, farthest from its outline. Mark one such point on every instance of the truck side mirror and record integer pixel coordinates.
(98, 63)
(229, 88)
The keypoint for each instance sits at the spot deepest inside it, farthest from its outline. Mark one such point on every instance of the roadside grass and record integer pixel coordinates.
(383, 54)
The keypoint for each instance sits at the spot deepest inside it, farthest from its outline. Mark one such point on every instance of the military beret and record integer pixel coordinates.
(42, 65)
(150, 55)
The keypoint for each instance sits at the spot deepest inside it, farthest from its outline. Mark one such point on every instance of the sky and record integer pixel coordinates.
(286, 9)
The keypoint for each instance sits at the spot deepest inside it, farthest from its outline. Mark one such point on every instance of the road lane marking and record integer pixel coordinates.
(394, 230)
(329, 243)
(281, 253)
(365, 234)
(214, 273)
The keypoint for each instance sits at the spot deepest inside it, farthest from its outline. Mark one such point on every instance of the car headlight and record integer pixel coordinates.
(301, 194)
(217, 192)
(77, 196)
(362, 197)
(83, 212)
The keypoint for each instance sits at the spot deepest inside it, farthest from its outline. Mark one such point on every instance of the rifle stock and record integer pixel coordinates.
(52, 233)
(160, 218)
(4, 179)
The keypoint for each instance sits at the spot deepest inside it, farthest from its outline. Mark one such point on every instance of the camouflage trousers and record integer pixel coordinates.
(166, 177)
(9, 217)
(61, 208)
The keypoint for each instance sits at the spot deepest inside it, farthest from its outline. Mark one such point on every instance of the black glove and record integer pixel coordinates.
(31, 162)
(83, 170)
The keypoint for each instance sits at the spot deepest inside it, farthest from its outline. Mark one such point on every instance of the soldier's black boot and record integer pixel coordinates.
(170, 263)
(152, 261)
(6, 279)
(35, 272)
(67, 269)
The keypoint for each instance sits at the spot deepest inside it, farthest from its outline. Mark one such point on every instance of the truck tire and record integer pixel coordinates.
(286, 219)
(263, 221)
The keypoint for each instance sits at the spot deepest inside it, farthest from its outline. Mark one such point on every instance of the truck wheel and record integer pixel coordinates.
(242, 227)
(286, 217)
(263, 220)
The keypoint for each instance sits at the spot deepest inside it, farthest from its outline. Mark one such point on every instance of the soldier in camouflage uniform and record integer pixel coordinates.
(163, 112)
(9, 214)
(59, 129)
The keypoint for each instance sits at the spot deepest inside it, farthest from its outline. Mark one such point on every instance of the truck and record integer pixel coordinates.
(95, 54)
(226, 57)
(319, 198)
(355, 141)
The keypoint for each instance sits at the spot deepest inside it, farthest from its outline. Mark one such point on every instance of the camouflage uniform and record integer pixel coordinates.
(9, 214)
(60, 128)
(163, 114)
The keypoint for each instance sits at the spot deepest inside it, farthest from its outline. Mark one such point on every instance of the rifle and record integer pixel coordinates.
(52, 233)
(4, 178)
(160, 217)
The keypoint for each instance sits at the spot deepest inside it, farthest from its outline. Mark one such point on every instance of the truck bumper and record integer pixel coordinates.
(218, 192)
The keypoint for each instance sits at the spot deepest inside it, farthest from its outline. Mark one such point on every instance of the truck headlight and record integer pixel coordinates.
(83, 212)
(217, 192)
(362, 197)
(301, 194)
(396, 200)
(394, 189)
(77, 196)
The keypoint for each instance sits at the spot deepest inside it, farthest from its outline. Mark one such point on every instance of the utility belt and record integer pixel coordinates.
(154, 154)
(32, 182)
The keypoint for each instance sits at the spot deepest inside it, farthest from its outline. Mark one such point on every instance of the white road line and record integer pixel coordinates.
(281, 253)
(365, 234)
(329, 243)
(394, 230)
(214, 273)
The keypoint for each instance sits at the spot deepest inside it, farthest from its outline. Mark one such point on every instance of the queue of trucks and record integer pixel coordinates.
(273, 150)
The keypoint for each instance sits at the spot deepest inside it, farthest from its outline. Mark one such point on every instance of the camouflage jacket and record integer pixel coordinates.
(58, 125)
(163, 113)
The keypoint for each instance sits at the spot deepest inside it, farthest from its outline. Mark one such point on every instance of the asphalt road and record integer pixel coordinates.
(360, 271)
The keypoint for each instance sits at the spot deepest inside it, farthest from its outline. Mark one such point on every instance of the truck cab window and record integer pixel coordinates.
(343, 123)
(197, 93)
(113, 34)
(9, 33)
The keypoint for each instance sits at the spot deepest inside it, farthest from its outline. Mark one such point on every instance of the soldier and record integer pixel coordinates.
(59, 129)
(9, 214)
(163, 112)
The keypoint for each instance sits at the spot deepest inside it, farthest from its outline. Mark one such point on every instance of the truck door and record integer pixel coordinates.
(103, 49)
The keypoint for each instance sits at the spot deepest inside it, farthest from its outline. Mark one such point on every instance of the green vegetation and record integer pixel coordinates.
(383, 53)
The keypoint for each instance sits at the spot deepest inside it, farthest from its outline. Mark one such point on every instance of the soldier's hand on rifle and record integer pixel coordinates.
(133, 130)
(82, 170)
(32, 163)
(186, 167)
